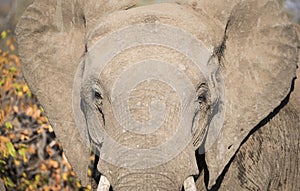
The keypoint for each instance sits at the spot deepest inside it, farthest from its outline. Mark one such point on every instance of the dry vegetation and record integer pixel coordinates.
(30, 157)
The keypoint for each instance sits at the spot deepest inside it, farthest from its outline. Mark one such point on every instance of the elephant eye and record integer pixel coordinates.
(202, 98)
(98, 101)
(203, 95)
(97, 92)
(98, 95)
(98, 98)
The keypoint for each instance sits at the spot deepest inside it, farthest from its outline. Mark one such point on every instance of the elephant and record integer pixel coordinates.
(169, 93)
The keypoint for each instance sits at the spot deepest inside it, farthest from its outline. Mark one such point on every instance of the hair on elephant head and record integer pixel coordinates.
(147, 86)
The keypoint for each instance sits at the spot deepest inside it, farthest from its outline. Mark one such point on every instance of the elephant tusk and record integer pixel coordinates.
(189, 184)
(103, 184)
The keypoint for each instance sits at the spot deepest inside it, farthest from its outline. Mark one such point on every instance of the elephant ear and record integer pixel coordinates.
(51, 40)
(259, 59)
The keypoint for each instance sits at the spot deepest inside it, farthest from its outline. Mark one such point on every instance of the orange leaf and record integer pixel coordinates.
(31, 150)
(12, 136)
(12, 47)
(43, 167)
(25, 132)
(29, 111)
(15, 109)
(53, 164)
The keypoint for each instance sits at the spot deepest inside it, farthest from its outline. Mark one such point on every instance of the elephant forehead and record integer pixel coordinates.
(127, 43)
(157, 85)
(145, 58)
(122, 39)
(148, 70)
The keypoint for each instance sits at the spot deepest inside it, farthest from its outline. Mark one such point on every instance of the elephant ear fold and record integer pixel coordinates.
(50, 37)
(259, 56)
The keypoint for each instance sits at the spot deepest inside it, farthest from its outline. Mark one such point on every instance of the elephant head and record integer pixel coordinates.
(147, 86)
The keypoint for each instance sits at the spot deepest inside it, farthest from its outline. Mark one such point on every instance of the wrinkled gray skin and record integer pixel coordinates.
(255, 50)
(269, 157)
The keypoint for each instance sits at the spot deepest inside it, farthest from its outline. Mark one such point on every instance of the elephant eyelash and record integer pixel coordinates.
(202, 92)
(99, 104)
(98, 100)
(97, 91)
(203, 97)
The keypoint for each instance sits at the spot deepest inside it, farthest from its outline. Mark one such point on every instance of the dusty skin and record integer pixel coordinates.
(149, 86)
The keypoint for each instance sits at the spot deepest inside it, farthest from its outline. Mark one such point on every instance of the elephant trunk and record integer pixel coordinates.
(169, 176)
(104, 185)
(145, 181)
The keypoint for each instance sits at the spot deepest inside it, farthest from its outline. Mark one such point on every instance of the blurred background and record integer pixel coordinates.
(10, 11)
(30, 156)
(293, 9)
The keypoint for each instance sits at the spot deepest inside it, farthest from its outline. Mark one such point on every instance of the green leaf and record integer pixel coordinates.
(8, 125)
(11, 149)
(29, 94)
(8, 182)
(2, 81)
(22, 152)
(27, 182)
(2, 162)
(18, 87)
(37, 178)
(12, 69)
(3, 34)
(2, 165)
